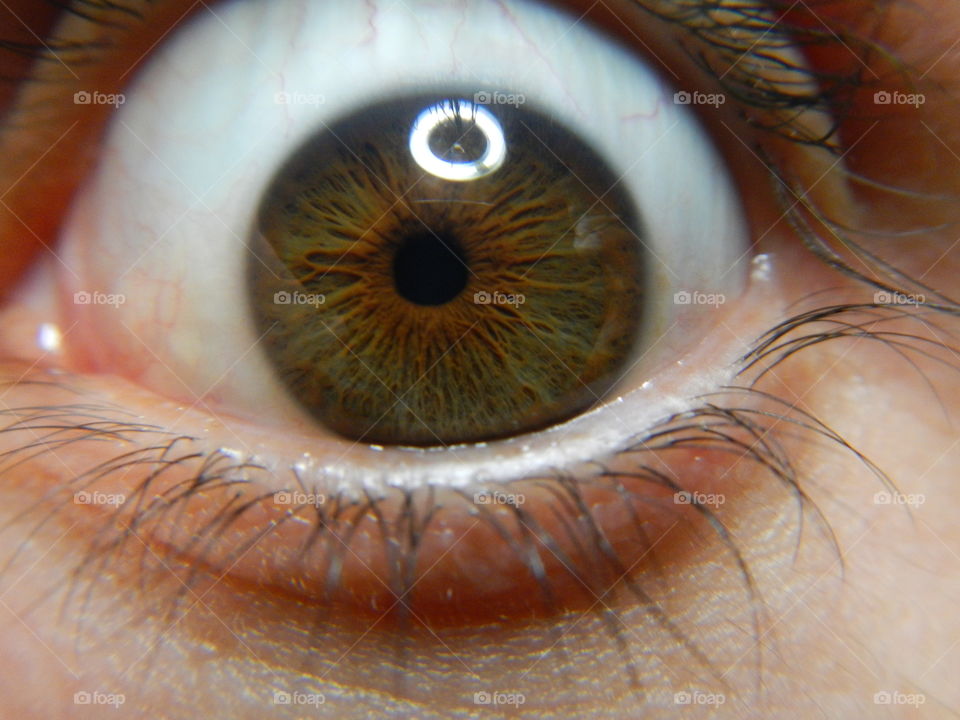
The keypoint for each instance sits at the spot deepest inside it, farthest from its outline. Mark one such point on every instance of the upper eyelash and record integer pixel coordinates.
(755, 46)
(776, 346)
(804, 215)
(740, 59)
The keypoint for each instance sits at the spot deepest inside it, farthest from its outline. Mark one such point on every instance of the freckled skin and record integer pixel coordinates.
(830, 643)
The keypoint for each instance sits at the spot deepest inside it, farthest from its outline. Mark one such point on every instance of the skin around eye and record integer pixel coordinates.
(828, 645)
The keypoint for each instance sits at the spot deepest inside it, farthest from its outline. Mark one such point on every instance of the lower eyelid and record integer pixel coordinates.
(531, 548)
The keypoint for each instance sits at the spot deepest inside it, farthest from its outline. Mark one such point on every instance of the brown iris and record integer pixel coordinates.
(402, 307)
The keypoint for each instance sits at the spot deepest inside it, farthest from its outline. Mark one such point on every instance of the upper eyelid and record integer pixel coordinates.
(690, 16)
(39, 141)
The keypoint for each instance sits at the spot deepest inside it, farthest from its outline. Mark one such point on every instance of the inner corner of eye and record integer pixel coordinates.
(425, 273)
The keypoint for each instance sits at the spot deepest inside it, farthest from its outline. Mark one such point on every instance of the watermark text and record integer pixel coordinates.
(84, 297)
(482, 297)
(885, 97)
(84, 97)
(684, 97)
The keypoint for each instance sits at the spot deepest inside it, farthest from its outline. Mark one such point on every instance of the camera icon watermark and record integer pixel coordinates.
(485, 697)
(895, 697)
(299, 98)
(687, 297)
(698, 697)
(84, 97)
(684, 97)
(282, 297)
(883, 297)
(685, 497)
(885, 497)
(281, 697)
(498, 497)
(482, 297)
(885, 97)
(99, 698)
(95, 497)
(298, 498)
(84, 297)
(495, 97)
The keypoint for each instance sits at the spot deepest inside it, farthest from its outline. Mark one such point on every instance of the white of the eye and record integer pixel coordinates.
(440, 114)
(226, 100)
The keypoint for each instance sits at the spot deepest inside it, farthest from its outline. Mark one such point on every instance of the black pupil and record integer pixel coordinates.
(429, 269)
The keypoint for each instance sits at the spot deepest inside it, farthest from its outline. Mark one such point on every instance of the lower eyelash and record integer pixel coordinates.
(725, 421)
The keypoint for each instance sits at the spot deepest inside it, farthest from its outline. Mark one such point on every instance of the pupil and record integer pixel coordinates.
(429, 269)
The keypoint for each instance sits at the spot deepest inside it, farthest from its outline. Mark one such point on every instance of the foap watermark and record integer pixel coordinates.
(686, 297)
(882, 297)
(482, 297)
(495, 97)
(85, 697)
(698, 697)
(299, 98)
(885, 497)
(84, 297)
(685, 497)
(295, 497)
(84, 97)
(281, 697)
(684, 97)
(895, 697)
(498, 497)
(885, 97)
(95, 497)
(487, 697)
(282, 297)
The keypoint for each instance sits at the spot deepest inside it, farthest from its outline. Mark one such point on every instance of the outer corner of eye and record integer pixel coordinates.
(294, 240)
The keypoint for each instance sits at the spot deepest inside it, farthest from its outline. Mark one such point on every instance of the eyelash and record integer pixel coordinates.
(725, 421)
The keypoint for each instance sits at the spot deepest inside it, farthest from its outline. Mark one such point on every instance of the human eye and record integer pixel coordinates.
(689, 360)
